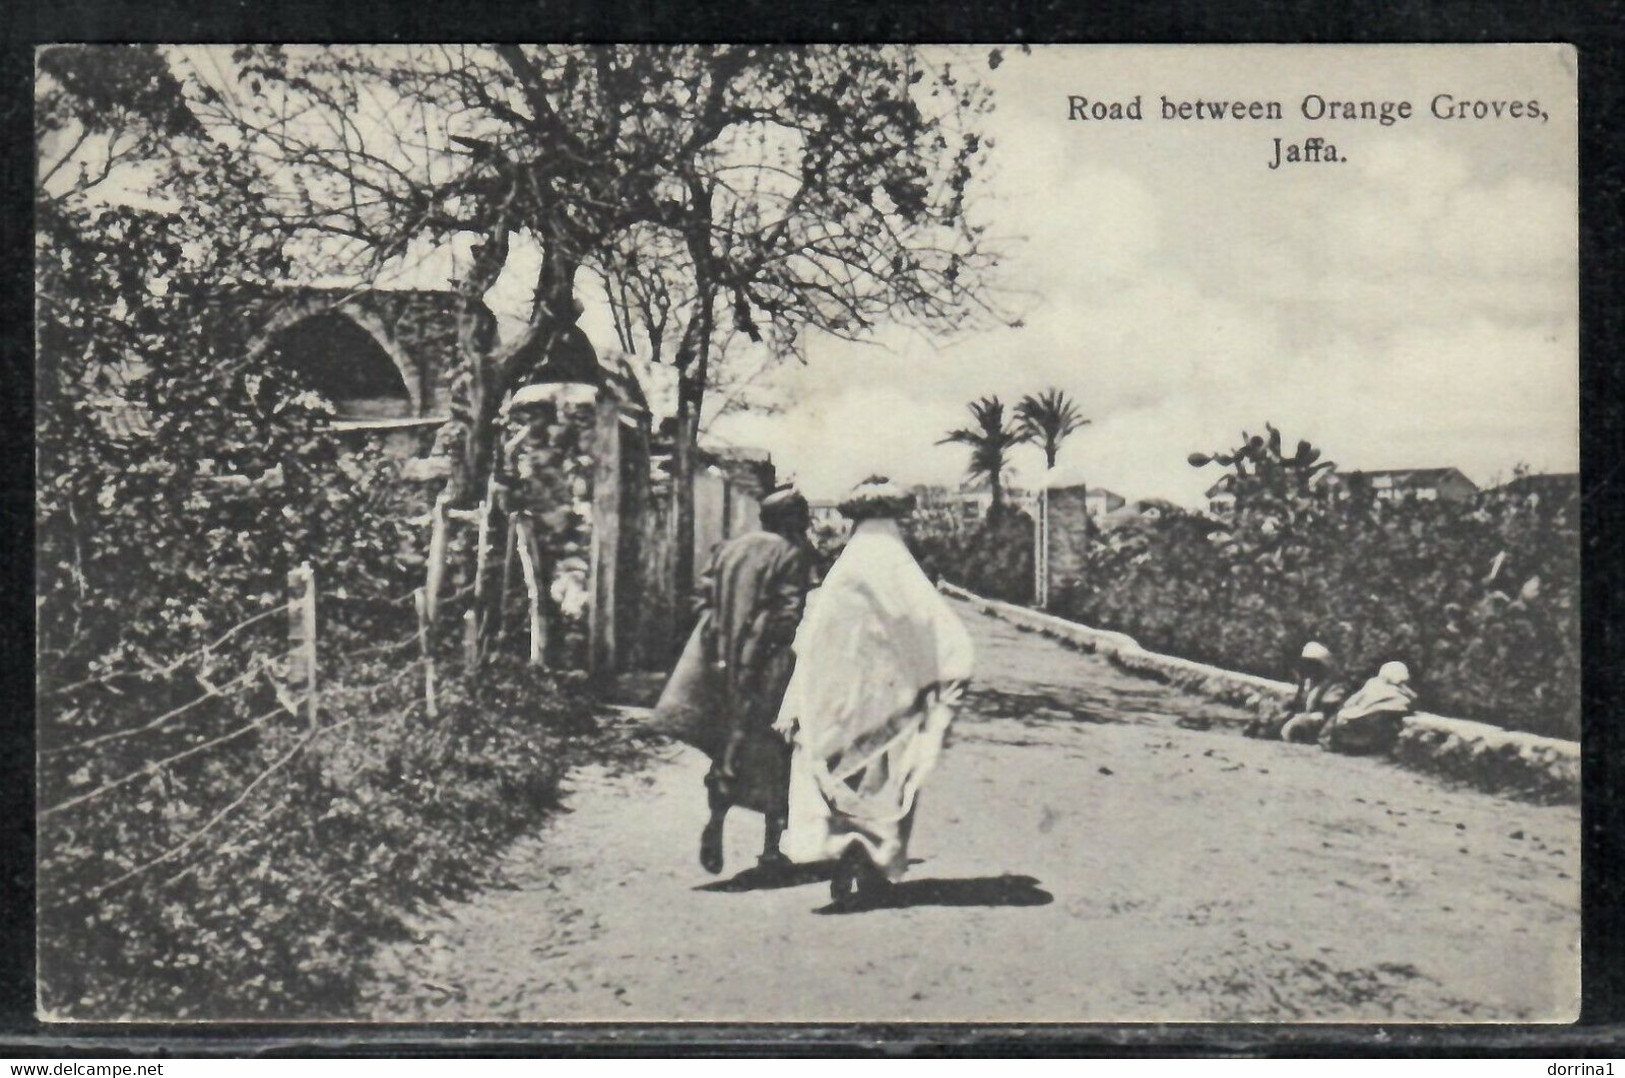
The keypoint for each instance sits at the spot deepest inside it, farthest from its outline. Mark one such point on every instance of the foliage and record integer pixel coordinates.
(275, 916)
(1048, 419)
(992, 557)
(1276, 496)
(179, 481)
(181, 475)
(156, 530)
(1480, 600)
(990, 439)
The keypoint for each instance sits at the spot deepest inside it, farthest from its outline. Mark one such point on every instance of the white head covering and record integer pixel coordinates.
(876, 636)
(1317, 652)
(1387, 692)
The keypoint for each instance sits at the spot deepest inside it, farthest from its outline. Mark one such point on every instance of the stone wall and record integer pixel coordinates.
(1068, 534)
(621, 483)
(710, 514)
(550, 468)
(748, 471)
(416, 328)
(722, 510)
(1478, 754)
(660, 611)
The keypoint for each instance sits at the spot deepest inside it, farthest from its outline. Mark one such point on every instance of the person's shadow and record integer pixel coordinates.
(777, 877)
(758, 878)
(1004, 890)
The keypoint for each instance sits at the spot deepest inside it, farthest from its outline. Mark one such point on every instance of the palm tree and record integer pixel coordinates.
(1048, 419)
(990, 441)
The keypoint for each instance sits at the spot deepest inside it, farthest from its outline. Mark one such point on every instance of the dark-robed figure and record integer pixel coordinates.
(724, 695)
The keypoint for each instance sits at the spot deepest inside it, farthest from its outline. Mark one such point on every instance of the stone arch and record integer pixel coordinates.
(348, 355)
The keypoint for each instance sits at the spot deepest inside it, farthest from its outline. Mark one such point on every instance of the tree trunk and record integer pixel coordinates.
(493, 378)
(474, 350)
(492, 594)
(693, 361)
(690, 399)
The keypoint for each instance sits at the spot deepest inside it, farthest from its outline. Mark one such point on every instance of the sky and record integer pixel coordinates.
(1414, 306)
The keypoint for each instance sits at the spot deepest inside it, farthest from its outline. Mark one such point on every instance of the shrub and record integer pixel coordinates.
(275, 915)
(992, 557)
(180, 478)
(1480, 600)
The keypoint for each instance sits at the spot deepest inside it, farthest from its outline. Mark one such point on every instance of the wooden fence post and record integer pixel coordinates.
(510, 554)
(437, 555)
(477, 606)
(471, 639)
(421, 601)
(302, 635)
(533, 585)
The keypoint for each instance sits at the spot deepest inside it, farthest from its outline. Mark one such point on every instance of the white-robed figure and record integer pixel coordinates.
(881, 665)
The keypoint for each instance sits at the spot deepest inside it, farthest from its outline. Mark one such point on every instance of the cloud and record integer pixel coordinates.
(829, 442)
(1083, 228)
(1416, 307)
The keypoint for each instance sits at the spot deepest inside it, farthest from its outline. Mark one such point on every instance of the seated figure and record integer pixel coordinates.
(1370, 722)
(1318, 696)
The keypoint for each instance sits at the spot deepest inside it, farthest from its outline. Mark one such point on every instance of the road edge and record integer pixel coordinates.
(1479, 754)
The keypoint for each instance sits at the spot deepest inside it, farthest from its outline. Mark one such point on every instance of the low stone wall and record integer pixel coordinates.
(1476, 753)
(1544, 768)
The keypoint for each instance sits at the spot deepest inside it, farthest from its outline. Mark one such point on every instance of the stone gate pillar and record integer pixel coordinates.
(1067, 536)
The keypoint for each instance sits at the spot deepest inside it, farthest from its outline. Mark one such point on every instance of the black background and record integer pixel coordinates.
(1598, 30)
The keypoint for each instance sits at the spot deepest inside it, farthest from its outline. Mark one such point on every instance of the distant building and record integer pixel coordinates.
(1419, 484)
(1140, 512)
(1392, 485)
(1221, 497)
(1099, 501)
(973, 498)
(969, 502)
(1090, 501)
(1546, 488)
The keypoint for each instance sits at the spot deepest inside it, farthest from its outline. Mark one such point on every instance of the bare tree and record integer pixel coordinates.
(840, 205)
(718, 190)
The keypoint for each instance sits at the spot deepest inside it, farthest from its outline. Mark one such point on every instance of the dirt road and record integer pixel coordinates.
(1081, 858)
